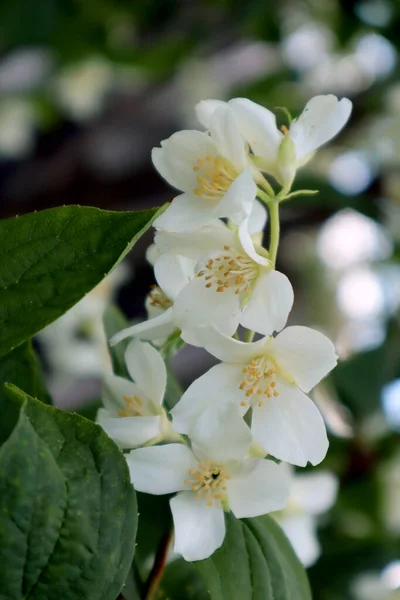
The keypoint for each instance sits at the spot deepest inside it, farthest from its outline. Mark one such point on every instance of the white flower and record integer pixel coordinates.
(311, 495)
(270, 376)
(168, 309)
(230, 273)
(281, 153)
(211, 168)
(133, 413)
(211, 477)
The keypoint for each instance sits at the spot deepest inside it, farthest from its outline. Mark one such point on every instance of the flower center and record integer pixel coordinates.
(208, 481)
(134, 407)
(260, 380)
(157, 298)
(230, 270)
(215, 177)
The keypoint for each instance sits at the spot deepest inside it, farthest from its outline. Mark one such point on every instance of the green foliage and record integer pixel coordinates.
(181, 581)
(67, 508)
(114, 320)
(52, 258)
(21, 367)
(256, 562)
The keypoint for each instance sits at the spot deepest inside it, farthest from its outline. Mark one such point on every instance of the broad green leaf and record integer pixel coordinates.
(255, 562)
(67, 508)
(51, 259)
(182, 581)
(114, 320)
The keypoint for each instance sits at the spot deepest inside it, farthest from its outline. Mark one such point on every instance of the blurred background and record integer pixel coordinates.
(87, 88)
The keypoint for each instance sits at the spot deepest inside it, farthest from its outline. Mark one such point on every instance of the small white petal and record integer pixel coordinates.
(128, 432)
(152, 329)
(315, 492)
(161, 469)
(228, 349)
(305, 354)
(225, 133)
(178, 155)
(322, 119)
(258, 218)
(204, 110)
(219, 384)
(199, 529)
(196, 244)
(172, 273)
(302, 535)
(290, 426)
(248, 245)
(197, 305)
(260, 487)
(147, 369)
(114, 390)
(186, 212)
(220, 433)
(258, 127)
(238, 201)
(270, 304)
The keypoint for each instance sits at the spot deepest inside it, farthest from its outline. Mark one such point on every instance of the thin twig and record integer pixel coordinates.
(160, 562)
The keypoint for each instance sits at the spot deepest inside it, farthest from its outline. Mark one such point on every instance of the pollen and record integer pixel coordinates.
(230, 271)
(260, 380)
(156, 297)
(133, 407)
(208, 480)
(215, 176)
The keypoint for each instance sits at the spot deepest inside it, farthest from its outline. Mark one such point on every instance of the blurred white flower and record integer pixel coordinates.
(81, 88)
(374, 586)
(311, 495)
(17, 127)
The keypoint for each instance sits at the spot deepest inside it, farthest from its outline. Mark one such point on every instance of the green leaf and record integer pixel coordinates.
(256, 562)
(181, 581)
(21, 367)
(51, 259)
(67, 508)
(114, 320)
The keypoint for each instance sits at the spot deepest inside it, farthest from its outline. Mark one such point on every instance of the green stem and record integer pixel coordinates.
(274, 231)
(267, 186)
(248, 336)
(264, 197)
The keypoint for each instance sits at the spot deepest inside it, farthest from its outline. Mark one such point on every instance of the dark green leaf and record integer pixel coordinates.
(51, 259)
(67, 509)
(21, 367)
(114, 320)
(181, 581)
(256, 562)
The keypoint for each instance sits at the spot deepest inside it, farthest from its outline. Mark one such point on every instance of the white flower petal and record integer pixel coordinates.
(270, 304)
(186, 212)
(322, 119)
(152, 329)
(115, 388)
(258, 127)
(248, 245)
(199, 529)
(178, 155)
(128, 432)
(220, 433)
(204, 110)
(302, 535)
(172, 273)
(147, 369)
(260, 487)
(218, 385)
(197, 305)
(304, 354)
(196, 244)
(315, 492)
(228, 349)
(258, 218)
(238, 201)
(160, 469)
(225, 133)
(290, 426)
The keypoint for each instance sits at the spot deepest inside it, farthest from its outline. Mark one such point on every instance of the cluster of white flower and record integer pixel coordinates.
(213, 276)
